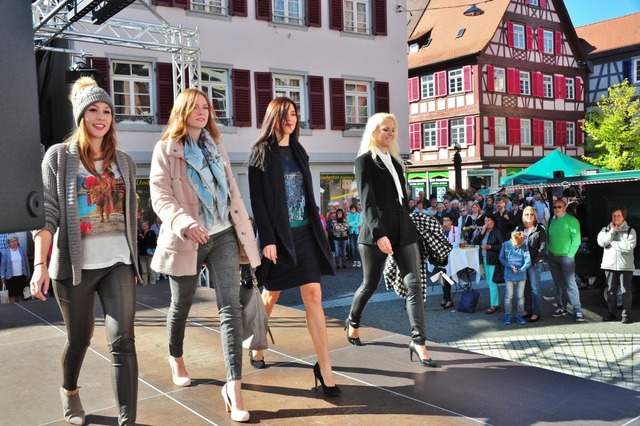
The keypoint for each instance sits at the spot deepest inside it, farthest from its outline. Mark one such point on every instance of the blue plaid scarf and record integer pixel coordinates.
(206, 174)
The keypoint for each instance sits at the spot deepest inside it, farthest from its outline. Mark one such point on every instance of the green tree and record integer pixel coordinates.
(613, 129)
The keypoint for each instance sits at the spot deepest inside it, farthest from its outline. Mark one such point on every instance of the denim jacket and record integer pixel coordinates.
(519, 257)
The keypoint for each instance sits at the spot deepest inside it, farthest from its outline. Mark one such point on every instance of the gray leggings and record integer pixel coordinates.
(221, 255)
(117, 290)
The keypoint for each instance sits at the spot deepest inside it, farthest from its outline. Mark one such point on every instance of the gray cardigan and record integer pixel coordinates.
(59, 177)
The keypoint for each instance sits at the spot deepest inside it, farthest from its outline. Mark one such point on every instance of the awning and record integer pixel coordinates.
(599, 178)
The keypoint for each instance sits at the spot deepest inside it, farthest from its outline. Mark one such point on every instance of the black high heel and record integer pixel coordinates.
(328, 390)
(353, 340)
(448, 305)
(256, 363)
(426, 362)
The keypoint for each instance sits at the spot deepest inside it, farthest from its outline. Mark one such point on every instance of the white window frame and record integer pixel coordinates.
(547, 86)
(213, 7)
(285, 85)
(548, 133)
(288, 12)
(356, 114)
(428, 86)
(455, 81)
(357, 16)
(548, 41)
(499, 80)
(501, 131)
(525, 83)
(146, 114)
(571, 133)
(218, 91)
(519, 39)
(429, 135)
(525, 132)
(635, 70)
(570, 86)
(414, 47)
(457, 132)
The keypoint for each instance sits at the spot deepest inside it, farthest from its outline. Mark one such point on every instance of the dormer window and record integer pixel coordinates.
(461, 32)
(414, 47)
(420, 42)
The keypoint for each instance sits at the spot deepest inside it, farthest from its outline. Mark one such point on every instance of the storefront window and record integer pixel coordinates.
(338, 187)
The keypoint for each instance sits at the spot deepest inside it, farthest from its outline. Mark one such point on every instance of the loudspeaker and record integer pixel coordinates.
(558, 174)
(21, 202)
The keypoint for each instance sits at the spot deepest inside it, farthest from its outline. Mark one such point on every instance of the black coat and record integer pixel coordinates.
(537, 243)
(495, 240)
(383, 214)
(270, 210)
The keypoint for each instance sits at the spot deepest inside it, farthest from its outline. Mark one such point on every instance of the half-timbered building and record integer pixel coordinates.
(504, 88)
(613, 52)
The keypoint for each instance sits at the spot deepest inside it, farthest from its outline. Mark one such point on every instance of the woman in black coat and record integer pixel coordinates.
(295, 247)
(387, 229)
(490, 240)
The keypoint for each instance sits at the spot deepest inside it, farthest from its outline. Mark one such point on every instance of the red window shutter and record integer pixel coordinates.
(161, 3)
(335, 15)
(264, 94)
(313, 14)
(413, 86)
(441, 83)
(558, 47)
(543, 3)
(182, 4)
(467, 82)
(579, 94)
(263, 13)
(442, 127)
(381, 92)
(379, 13)
(510, 34)
(529, 40)
(338, 112)
(538, 84)
(540, 40)
(492, 130)
(316, 102)
(164, 79)
(238, 8)
(241, 90)
(415, 137)
(513, 81)
(470, 131)
(560, 86)
(103, 67)
(579, 133)
(561, 133)
(491, 84)
(513, 124)
(527, 2)
(538, 133)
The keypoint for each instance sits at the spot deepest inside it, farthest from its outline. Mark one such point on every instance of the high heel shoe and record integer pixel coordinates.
(448, 305)
(257, 363)
(426, 362)
(178, 380)
(353, 340)
(72, 408)
(328, 390)
(236, 415)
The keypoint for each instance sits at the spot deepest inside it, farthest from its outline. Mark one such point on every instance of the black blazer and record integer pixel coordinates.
(270, 211)
(383, 214)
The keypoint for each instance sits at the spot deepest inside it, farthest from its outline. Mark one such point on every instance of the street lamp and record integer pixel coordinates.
(457, 166)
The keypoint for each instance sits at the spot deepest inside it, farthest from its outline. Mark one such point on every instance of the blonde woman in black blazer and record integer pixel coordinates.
(387, 229)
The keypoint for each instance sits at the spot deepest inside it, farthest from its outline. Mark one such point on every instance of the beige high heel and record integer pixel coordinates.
(236, 415)
(72, 408)
(178, 380)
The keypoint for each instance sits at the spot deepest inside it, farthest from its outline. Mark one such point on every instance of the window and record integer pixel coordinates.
(291, 86)
(429, 135)
(518, 36)
(414, 47)
(288, 11)
(216, 7)
(460, 32)
(215, 83)
(356, 16)
(547, 85)
(525, 83)
(501, 131)
(635, 78)
(533, 3)
(571, 133)
(525, 132)
(357, 101)
(499, 80)
(548, 133)
(455, 82)
(457, 132)
(131, 82)
(570, 85)
(547, 39)
(428, 86)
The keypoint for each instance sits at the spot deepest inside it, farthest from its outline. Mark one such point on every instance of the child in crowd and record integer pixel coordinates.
(514, 255)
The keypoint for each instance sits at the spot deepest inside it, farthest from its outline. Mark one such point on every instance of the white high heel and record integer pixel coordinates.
(236, 415)
(178, 380)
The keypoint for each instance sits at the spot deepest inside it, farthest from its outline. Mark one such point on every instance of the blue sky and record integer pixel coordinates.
(585, 12)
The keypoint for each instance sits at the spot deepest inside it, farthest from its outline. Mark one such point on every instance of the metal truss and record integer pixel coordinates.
(51, 22)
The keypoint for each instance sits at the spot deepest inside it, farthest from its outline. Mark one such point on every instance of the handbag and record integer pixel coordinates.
(468, 301)
(4, 295)
(255, 324)
(498, 273)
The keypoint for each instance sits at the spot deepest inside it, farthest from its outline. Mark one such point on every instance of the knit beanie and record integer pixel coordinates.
(85, 93)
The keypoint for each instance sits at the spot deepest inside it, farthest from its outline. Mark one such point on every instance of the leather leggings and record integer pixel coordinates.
(408, 260)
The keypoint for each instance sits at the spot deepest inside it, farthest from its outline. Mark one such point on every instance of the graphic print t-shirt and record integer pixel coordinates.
(294, 186)
(102, 221)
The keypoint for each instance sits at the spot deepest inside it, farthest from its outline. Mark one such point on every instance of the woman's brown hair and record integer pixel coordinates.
(182, 107)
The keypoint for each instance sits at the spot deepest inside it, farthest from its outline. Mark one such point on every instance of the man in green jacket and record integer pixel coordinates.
(564, 239)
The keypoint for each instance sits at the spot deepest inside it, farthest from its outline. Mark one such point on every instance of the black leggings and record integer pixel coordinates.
(408, 260)
(117, 290)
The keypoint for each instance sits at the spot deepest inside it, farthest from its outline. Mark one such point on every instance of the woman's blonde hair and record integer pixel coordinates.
(368, 142)
(184, 104)
(531, 210)
(277, 114)
(81, 134)
(517, 238)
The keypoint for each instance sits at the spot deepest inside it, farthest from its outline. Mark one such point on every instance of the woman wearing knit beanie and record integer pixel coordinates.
(90, 201)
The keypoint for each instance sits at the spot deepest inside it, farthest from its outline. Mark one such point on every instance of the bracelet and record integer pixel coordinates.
(38, 264)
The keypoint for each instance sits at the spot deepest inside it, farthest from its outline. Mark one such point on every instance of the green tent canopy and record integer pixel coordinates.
(542, 170)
